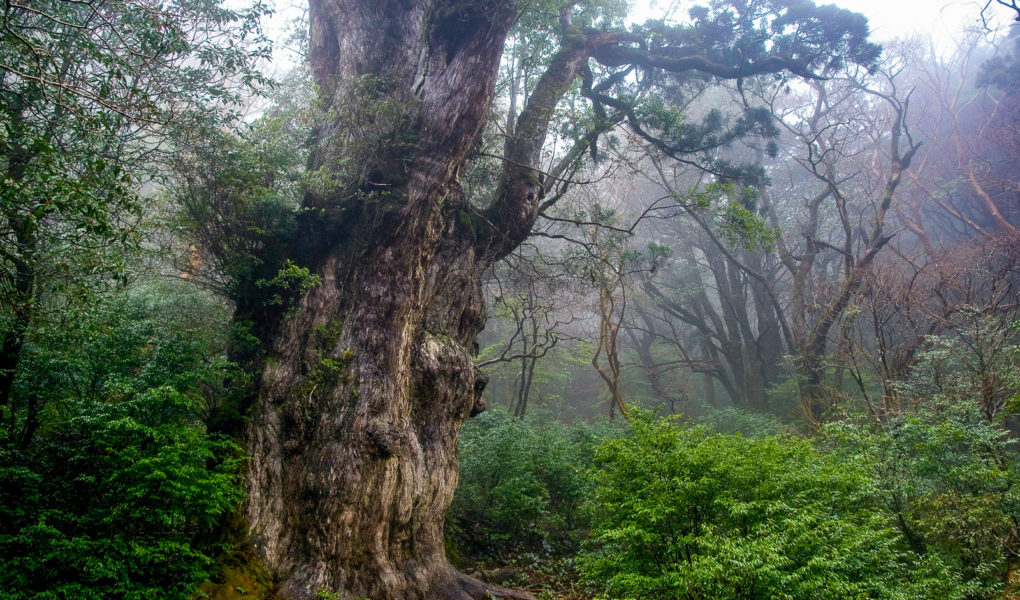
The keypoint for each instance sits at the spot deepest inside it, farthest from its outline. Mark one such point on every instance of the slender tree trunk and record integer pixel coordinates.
(611, 317)
(652, 370)
(23, 298)
(708, 386)
(530, 359)
(810, 367)
(769, 342)
(14, 339)
(528, 365)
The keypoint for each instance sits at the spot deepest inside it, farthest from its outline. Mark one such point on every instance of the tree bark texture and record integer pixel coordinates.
(368, 376)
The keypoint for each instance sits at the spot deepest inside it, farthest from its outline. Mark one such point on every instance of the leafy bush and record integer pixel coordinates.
(522, 486)
(681, 512)
(109, 504)
(110, 485)
(112, 346)
(944, 466)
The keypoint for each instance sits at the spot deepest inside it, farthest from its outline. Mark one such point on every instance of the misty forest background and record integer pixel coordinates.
(787, 368)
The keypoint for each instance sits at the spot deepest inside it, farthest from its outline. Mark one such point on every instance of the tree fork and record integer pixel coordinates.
(366, 382)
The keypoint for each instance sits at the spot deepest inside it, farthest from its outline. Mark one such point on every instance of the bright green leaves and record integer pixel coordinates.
(945, 465)
(112, 486)
(291, 282)
(685, 513)
(735, 213)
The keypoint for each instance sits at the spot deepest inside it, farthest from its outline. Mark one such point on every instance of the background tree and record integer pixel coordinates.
(112, 484)
(961, 186)
(837, 159)
(526, 294)
(721, 319)
(859, 245)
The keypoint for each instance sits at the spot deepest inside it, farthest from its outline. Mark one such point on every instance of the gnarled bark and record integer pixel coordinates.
(368, 378)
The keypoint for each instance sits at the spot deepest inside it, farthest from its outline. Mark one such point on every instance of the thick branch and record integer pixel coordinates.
(515, 209)
(617, 56)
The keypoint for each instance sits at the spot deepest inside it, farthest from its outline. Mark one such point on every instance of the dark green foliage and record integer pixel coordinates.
(682, 512)
(93, 98)
(522, 486)
(110, 485)
(936, 473)
(237, 196)
(820, 37)
(108, 505)
(115, 345)
(727, 39)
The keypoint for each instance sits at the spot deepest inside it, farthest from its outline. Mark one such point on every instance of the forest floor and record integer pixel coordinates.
(546, 580)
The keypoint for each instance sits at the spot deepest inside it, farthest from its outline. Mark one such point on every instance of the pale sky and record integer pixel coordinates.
(941, 18)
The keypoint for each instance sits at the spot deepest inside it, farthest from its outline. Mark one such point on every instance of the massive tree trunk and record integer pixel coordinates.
(368, 376)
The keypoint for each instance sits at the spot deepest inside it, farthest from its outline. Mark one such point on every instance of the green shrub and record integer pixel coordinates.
(110, 503)
(111, 486)
(684, 513)
(945, 464)
(522, 486)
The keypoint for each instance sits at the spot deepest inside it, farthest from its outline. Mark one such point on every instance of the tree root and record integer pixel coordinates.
(454, 586)
(479, 590)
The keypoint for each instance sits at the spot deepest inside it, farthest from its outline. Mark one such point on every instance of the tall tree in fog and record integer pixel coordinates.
(367, 327)
(844, 152)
